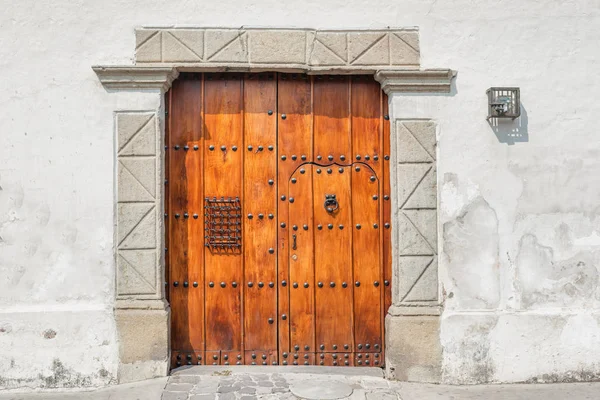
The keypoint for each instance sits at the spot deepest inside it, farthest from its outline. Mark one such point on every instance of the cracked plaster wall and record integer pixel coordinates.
(519, 222)
(518, 215)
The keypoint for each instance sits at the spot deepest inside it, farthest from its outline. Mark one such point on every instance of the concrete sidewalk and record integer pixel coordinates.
(246, 383)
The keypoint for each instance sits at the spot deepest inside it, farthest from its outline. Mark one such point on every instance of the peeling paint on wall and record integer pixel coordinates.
(471, 251)
(546, 282)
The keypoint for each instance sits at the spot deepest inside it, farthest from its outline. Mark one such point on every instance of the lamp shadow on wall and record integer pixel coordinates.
(511, 131)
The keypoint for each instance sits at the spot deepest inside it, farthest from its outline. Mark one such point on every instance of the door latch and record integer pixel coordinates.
(294, 242)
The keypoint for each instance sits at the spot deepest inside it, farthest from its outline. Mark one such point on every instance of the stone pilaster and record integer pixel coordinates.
(413, 350)
(141, 313)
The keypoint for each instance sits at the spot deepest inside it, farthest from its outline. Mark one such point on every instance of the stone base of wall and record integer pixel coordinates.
(413, 350)
(143, 343)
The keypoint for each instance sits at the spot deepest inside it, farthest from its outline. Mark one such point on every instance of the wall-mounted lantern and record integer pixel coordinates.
(503, 102)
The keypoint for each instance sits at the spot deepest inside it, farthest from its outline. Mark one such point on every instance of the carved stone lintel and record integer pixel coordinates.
(132, 77)
(411, 81)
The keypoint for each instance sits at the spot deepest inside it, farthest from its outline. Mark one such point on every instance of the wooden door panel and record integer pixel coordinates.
(294, 138)
(333, 257)
(230, 358)
(223, 178)
(260, 357)
(301, 260)
(185, 247)
(367, 143)
(259, 271)
(332, 142)
(366, 259)
(260, 208)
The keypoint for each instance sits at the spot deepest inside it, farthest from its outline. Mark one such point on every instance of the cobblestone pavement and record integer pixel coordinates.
(239, 384)
(192, 383)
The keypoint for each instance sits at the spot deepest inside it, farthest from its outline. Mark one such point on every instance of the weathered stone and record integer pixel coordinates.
(374, 383)
(183, 45)
(409, 177)
(424, 133)
(226, 389)
(411, 241)
(376, 54)
(426, 287)
(415, 81)
(235, 51)
(361, 42)
(175, 396)
(321, 389)
(217, 39)
(205, 386)
(404, 48)
(137, 179)
(277, 47)
(409, 147)
(136, 225)
(413, 350)
(335, 45)
(143, 343)
(425, 195)
(410, 271)
(202, 397)
(358, 394)
(136, 134)
(184, 379)
(136, 272)
(148, 45)
(322, 55)
(425, 223)
(179, 387)
(380, 395)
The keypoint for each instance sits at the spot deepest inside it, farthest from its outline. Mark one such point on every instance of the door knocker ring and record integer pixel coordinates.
(331, 204)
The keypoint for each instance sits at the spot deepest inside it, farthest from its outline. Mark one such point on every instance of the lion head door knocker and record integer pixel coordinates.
(331, 203)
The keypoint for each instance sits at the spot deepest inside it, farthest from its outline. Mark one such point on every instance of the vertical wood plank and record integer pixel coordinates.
(223, 124)
(301, 261)
(366, 259)
(366, 146)
(332, 140)
(333, 254)
(333, 258)
(294, 138)
(186, 232)
(260, 208)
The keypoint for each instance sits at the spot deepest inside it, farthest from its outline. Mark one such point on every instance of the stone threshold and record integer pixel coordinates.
(225, 370)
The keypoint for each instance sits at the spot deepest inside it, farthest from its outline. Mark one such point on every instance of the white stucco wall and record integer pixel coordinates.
(519, 225)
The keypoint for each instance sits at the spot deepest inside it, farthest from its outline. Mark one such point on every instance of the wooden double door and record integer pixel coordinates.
(277, 219)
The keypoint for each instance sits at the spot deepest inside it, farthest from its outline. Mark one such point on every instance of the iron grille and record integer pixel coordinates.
(223, 224)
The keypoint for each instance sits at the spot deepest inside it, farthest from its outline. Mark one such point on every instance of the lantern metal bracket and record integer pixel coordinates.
(503, 102)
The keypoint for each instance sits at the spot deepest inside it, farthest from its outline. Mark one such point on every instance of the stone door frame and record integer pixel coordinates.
(412, 344)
